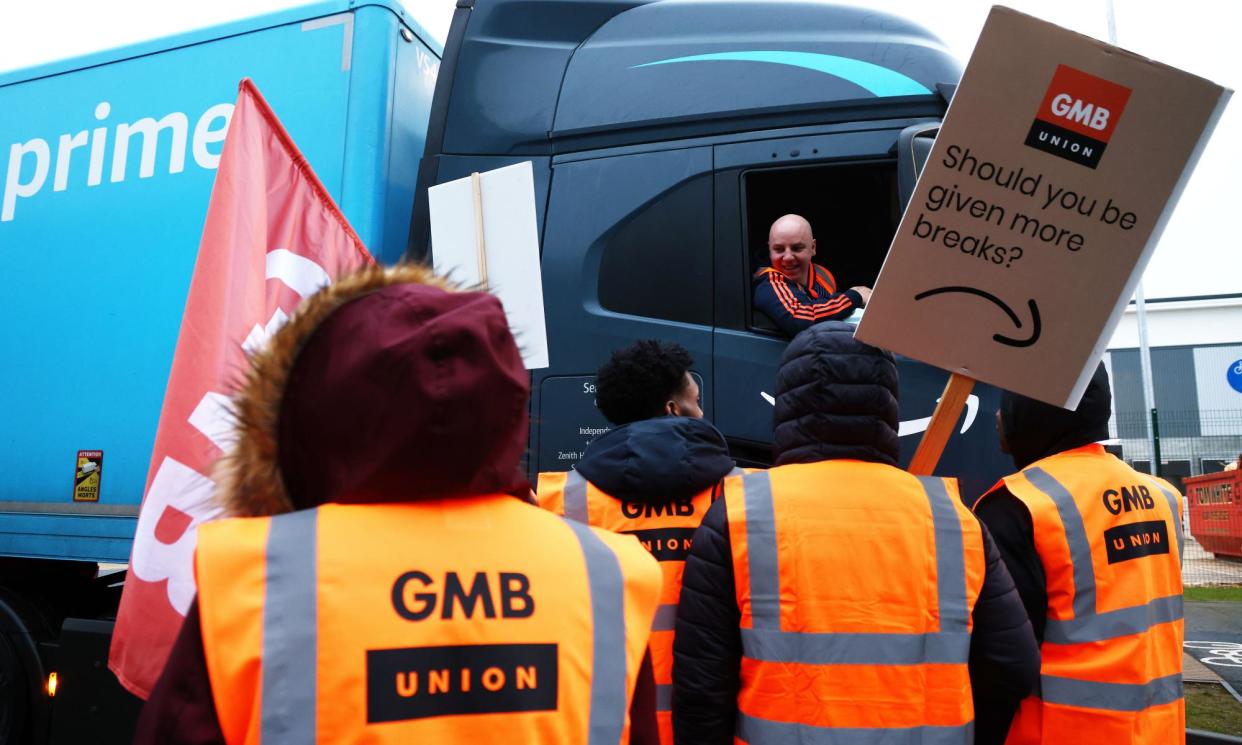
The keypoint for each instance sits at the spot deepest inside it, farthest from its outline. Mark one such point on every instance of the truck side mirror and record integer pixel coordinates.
(913, 145)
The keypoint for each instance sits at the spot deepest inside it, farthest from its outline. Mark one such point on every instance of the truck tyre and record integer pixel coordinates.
(24, 708)
(14, 694)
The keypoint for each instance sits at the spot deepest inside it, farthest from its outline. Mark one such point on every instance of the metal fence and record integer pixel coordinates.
(1194, 444)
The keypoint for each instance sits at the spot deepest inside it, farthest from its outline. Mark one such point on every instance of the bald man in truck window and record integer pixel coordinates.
(795, 292)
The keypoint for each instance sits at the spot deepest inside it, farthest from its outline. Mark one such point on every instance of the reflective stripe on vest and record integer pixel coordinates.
(753, 729)
(290, 631)
(765, 586)
(1177, 520)
(576, 497)
(665, 618)
(664, 697)
(1111, 696)
(608, 683)
(765, 641)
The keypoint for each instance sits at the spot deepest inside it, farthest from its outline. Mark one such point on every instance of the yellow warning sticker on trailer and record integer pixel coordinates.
(86, 479)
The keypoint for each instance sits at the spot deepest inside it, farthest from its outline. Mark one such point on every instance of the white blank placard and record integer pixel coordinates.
(511, 235)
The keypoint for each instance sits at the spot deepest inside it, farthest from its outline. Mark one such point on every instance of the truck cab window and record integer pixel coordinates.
(853, 210)
(658, 263)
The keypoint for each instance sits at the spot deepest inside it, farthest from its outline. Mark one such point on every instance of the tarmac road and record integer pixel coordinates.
(1214, 637)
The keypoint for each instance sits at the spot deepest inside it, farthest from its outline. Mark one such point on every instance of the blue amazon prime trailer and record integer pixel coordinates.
(107, 164)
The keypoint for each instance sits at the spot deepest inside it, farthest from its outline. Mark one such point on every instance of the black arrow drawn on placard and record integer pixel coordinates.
(1000, 338)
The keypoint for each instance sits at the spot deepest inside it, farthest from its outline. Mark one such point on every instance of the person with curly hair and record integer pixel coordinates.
(652, 476)
(649, 378)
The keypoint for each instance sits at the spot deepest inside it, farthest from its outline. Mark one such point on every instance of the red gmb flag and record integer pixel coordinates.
(272, 237)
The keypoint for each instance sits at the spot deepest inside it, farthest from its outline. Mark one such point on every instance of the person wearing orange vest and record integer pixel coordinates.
(653, 476)
(1095, 550)
(795, 292)
(836, 598)
(383, 578)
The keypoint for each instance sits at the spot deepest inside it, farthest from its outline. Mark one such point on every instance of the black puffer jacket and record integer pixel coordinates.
(836, 398)
(654, 460)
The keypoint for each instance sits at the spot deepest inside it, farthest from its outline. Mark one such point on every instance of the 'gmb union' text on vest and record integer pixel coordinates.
(679, 507)
(1128, 498)
(419, 682)
(415, 596)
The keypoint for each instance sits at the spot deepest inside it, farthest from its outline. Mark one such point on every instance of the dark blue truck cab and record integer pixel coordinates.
(666, 137)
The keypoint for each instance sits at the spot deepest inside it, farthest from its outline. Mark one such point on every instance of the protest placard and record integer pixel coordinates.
(484, 233)
(1058, 163)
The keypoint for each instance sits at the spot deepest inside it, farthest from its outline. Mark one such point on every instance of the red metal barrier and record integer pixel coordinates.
(1216, 511)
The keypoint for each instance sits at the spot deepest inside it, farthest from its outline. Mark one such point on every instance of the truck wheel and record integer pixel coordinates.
(14, 694)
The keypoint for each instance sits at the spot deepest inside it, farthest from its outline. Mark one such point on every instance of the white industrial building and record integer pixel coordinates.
(1196, 358)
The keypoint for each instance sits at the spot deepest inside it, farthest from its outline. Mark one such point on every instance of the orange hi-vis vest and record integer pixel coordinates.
(1110, 542)
(819, 279)
(453, 620)
(856, 583)
(664, 530)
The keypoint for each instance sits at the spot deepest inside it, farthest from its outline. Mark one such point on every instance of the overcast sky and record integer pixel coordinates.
(1199, 253)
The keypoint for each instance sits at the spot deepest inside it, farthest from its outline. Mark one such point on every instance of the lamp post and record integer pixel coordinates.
(1140, 304)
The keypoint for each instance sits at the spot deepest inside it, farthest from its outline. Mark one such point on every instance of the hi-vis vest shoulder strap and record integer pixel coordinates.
(862, 579)
(1110, 540)
(819, 279)
(823, 281)
(664, 529)
(402, 623)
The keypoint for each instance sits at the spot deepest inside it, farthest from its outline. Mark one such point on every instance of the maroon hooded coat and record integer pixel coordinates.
(388, 386)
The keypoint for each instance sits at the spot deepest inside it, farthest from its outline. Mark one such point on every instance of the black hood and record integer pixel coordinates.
(1035, 430)
(655, 460)
(836, 397)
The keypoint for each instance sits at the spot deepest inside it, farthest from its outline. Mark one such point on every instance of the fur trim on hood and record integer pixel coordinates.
(347, 400)
(248, 478)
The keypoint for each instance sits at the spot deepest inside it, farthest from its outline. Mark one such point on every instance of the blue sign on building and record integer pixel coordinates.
(1234, 375)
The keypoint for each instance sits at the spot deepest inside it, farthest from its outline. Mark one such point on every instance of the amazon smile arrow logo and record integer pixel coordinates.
(1036, 327)
(914, 426)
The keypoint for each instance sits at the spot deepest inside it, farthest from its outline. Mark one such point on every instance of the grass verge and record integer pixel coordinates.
(1231, 593)
(1209, 707)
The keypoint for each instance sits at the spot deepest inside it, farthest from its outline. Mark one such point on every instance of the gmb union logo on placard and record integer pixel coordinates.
(1077, 117)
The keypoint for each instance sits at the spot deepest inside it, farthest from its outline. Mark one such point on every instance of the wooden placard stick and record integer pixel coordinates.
(480, 243)
(942, 424)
